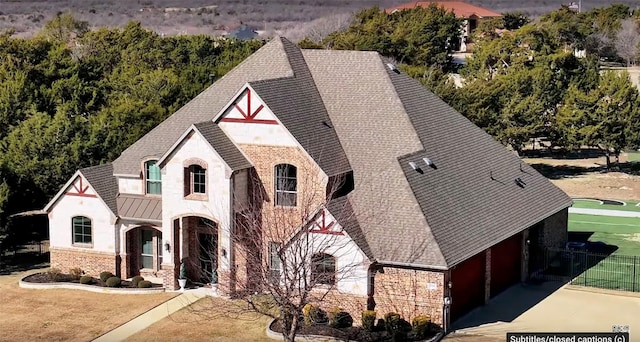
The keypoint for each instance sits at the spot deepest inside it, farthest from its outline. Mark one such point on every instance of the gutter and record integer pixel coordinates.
(409, 265)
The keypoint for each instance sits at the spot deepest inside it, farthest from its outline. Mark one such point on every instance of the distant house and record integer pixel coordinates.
(244, 32)
(471, 14)
(433, 211)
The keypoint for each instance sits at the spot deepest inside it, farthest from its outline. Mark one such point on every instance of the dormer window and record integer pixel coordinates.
(153, 178)
(286, 185)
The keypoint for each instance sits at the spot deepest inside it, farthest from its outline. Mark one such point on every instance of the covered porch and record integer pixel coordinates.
(195, 242)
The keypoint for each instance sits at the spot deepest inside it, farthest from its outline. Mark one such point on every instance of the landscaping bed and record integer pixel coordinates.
(354, 333)
(46, 277)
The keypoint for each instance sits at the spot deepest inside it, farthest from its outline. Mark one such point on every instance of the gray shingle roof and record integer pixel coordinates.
(104, 183)
(225, 147)
(140, 207)
(268, 62)
(298, 105)
(460, 190)
(343, 212)
(443, 216)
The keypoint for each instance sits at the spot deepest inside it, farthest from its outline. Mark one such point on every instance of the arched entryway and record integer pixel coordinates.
(199, 250)
(144, 251)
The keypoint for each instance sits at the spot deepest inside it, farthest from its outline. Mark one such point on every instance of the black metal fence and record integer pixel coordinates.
(605, 271)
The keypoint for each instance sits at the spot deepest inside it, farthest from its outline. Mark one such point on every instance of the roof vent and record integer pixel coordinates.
(392, 67)
(416, 167)
(428, 161)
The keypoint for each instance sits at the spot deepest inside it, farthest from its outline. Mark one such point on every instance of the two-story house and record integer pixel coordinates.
(437, 215)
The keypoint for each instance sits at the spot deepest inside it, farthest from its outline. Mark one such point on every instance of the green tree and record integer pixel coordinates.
(64, 27)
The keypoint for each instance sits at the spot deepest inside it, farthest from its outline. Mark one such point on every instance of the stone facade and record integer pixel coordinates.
(91, 262)
(410, 293)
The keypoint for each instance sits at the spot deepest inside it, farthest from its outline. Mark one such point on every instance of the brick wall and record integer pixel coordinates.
(352, 304)
(91, 262)
(407, 292)
(555, 229)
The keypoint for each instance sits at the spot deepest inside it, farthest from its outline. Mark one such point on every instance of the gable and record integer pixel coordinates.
(81, 187)
(325, 223)
(248, 120)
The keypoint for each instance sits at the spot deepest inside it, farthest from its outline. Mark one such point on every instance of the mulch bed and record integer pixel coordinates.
(44, 278)
(351, 333)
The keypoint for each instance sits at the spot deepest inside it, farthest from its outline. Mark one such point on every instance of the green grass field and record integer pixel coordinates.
(593, 204)
(633, 156)
(621, 270)
(623, 232)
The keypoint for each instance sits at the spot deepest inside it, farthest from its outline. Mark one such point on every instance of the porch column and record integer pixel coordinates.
(124, 255)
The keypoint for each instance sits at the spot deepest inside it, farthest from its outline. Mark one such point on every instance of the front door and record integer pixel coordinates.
(208, 256)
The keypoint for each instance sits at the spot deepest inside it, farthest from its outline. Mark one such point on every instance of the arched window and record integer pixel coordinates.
(323, 269)
(286, 185)
(195, 180)
(153, 177)
(81, 227)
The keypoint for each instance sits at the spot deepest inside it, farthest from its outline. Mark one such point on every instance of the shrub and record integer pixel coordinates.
(86, 280)
(136, 280)
(313, 315)
(368, 320)
(420, 325)
(76, 273)
(144, 284)
(113, 282)
(392, 323)
(380, 324)
(54, 274)
(339, 318)
(105, 275)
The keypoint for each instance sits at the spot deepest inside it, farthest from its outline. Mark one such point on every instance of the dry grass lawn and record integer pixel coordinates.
(596, 184)
(209, 319)
(65, 315)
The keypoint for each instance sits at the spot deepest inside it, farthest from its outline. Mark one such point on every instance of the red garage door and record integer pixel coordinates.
(506, 264)
(467, 291)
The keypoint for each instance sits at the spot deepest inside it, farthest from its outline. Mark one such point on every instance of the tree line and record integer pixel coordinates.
(71, 97)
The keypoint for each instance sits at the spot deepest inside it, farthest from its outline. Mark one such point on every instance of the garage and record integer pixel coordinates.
(467, 286)
(506, 260)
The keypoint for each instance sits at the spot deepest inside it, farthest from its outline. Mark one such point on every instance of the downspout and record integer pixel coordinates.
(371, 275)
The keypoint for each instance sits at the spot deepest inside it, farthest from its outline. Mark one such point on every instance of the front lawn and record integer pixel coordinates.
(209, 319)
(65, 315)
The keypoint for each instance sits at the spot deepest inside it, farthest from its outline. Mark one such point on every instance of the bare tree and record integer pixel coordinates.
(289, 251)
(320, 28)
(628, 41)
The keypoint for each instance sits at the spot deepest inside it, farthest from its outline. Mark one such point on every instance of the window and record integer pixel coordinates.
(81, 229)
(195, 180)
(323, 269)
(286, 185)
(153, 178)
(274, 261)
(147, 249)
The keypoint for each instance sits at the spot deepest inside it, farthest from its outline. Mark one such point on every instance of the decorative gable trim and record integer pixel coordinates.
(81, 191)
(324, 224)
(248, 114)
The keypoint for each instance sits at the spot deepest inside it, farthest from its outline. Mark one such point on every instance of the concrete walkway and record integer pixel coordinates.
(605, 212)
(152, 316)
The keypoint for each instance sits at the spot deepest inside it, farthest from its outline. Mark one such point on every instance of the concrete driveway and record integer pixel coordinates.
(551, 307)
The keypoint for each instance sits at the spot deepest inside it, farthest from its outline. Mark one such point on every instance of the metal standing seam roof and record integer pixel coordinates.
(101, 178)
(223, 145)
(140, 207)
